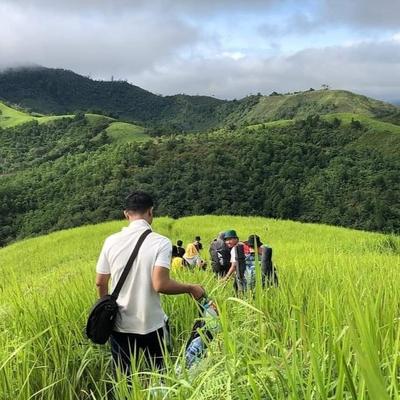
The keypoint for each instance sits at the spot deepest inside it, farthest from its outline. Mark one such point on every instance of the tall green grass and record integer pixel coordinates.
(330, 331)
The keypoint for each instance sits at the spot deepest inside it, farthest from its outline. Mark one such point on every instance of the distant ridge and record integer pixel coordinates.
(58, 91)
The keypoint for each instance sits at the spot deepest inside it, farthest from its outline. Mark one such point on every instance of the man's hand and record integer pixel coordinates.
(197, 291)
(162, 283)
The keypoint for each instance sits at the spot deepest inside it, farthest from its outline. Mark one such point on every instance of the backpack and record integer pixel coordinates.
(268, 269)
(220, 257)
(247, 267)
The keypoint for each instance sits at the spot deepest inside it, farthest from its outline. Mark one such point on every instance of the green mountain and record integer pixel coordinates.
(317, 156)
(69, 173)
(300, 105)
(58, 91)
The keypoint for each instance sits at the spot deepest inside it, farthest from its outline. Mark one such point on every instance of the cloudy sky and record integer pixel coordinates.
(222, 48)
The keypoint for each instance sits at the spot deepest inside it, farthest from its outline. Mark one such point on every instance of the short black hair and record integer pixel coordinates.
(179, 243)
(138, 202)
(174, 251)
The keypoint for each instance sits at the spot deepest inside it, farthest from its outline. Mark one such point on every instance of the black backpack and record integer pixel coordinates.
(220, 256)
(268, 269)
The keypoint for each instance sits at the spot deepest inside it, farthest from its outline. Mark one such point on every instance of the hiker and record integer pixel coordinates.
(220, 255)
(197, 243)
(192, 258)
(237, 260)
(181, 250)
(140, 323)
(204, 329)
(268, 270)
(176, 261)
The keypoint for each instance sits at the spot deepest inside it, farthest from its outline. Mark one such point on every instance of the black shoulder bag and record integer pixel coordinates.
(103, 314)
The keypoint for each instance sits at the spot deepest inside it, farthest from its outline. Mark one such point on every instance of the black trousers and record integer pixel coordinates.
(125, 346)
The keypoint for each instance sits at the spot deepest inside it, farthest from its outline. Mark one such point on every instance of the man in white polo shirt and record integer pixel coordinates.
(141, 319)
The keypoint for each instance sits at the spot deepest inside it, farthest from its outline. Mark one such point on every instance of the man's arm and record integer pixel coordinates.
(102, 284)
(162, 283)
(231, 270)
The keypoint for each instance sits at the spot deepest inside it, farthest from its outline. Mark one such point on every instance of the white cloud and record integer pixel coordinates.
(165, 46)
(372, 69)
(234, 55)
(396, 37)
(102, 46)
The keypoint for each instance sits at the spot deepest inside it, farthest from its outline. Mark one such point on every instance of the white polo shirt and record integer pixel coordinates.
(140, 307)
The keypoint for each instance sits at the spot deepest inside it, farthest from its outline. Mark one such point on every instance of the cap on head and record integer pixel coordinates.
(198, 238)
(254, 239)
(230, 234)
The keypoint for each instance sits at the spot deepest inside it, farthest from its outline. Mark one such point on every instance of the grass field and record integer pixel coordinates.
(10, 117)
(122, 132)
(330, 331)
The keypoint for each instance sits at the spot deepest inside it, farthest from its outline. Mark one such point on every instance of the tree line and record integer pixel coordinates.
(312, 171)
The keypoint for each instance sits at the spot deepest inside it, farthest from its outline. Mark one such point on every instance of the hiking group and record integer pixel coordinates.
(190, 257)
(230, 256)
(141, 321)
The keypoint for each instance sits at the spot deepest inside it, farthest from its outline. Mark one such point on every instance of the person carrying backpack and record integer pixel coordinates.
(220, 256)
(268, 270)
(141, 319)
(237, 260)
(243, 262)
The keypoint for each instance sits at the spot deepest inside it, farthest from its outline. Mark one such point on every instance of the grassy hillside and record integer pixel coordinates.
(122, 132)
(10, 117)
(301, 105)
(117, 131)
(328, 331)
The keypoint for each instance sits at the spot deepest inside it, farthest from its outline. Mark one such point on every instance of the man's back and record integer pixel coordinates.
(140, 308)
(141, 324)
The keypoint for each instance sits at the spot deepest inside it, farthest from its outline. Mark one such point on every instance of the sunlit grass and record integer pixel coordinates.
(122, 132)
(330, 331)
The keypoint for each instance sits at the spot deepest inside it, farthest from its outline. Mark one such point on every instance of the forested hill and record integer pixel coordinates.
(69, 173)
(58, 91)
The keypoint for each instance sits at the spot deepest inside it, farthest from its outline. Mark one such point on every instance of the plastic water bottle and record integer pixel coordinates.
(209, 314)
(194, 351)
(208, 307)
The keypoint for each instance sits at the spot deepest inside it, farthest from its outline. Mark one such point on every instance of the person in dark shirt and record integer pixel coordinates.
(180, 249)
(197, 243)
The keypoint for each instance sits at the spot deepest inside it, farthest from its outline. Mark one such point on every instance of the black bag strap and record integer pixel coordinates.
(129, 264)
